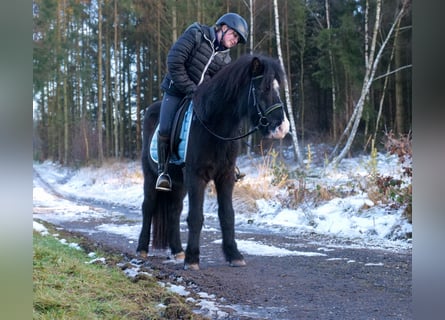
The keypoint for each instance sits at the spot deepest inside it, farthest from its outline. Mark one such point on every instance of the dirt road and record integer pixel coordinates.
(325, 279)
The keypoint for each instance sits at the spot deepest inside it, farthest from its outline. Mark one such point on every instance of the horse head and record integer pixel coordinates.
(268, 113)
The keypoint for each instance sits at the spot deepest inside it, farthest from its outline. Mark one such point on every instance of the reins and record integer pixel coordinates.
(224, 138)
(262, 121)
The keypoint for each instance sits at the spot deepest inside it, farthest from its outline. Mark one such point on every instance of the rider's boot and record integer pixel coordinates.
(163, 183)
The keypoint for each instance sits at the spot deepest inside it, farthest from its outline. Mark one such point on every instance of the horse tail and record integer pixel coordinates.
(160, 222)
(157, 210)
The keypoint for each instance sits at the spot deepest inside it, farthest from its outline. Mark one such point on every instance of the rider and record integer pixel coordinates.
(197, 55)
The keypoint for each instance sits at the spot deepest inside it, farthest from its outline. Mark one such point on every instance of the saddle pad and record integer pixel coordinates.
(183, 140)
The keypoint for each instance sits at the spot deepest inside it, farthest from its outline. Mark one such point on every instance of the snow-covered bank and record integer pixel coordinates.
(351, 217)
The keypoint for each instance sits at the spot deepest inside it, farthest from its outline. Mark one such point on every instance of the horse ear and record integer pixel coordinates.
(257, 67)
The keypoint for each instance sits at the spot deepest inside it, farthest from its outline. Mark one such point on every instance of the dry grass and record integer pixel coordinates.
(247, 192)
(124, 171)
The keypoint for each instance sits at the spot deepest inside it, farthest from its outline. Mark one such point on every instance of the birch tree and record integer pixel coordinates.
(332, 73)
(372, 60)
(286, 87)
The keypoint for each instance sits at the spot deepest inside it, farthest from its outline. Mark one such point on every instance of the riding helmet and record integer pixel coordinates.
(236, 22)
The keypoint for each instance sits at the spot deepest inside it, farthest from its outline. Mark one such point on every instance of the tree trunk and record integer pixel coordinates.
(66, 128)
(286, 87)
(100, 155)
(65, 54)
(174, 22)
(58, 101)
(159, 48)
(138, 97)
(251, 33)
(116, 81)
(400, 119)
(385, 85)
(332, 74)
(301, 40)
(108, 106)
(288, 53)
(129, 142)
(44, 123)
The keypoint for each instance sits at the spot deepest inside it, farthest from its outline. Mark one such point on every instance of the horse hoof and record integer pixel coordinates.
(191, 266)
(238, 263)
(143, 254)
(180, 256)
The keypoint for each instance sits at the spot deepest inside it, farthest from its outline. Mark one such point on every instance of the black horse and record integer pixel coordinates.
(247, 89)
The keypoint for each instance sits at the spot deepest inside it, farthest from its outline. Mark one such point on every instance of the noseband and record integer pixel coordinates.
(262, 115)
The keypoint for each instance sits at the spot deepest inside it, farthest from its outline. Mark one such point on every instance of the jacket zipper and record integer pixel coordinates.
(207, 66)
(214, 53)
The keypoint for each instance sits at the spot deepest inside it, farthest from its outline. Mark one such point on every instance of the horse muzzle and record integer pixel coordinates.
(280, 131)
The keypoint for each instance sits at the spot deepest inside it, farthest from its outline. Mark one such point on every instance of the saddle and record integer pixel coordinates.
(179, 134)
(178, 121)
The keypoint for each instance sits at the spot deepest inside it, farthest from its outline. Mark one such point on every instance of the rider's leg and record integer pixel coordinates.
(163, 183)
(168, 109)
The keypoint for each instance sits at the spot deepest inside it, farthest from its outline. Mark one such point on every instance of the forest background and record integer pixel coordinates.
(98, 64)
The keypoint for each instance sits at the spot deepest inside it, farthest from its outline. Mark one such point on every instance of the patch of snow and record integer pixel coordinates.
(40, 228)
(178, 289)
(257, 249)
(97, 260)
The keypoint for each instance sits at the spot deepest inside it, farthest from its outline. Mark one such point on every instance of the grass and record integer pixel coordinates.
(67, 286)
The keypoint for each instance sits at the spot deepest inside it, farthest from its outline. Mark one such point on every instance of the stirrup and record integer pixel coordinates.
(164, 182)
(238, 174)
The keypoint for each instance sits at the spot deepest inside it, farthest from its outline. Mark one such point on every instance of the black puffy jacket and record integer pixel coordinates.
(190, 56)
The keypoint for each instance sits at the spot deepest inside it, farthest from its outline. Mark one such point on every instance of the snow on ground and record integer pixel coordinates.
(257, 249)
(352, 217)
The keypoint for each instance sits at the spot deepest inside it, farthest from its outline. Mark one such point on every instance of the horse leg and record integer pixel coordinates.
(175, 200)
(144, 236)
(149, 208)
(174, 234)
(224, 188)
(195, 221)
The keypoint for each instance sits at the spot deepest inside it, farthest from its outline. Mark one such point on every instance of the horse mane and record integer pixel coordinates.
(232, 80)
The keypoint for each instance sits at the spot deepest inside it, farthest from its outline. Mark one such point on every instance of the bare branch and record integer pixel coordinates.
(394, 71)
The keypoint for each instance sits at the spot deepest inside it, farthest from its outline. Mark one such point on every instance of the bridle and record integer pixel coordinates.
(262, 114)
(262, 120)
